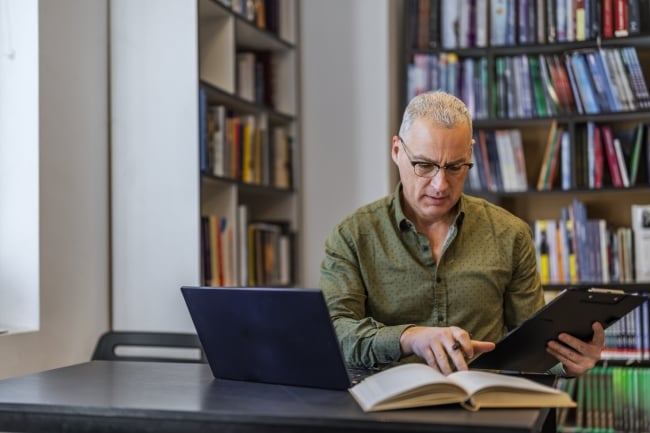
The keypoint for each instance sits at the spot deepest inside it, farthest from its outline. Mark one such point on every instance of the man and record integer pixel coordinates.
(428, 273)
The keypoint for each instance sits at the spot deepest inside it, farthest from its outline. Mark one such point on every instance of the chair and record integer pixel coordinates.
(149, 346)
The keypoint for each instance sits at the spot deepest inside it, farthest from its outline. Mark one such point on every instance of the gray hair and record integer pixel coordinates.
(439, 107)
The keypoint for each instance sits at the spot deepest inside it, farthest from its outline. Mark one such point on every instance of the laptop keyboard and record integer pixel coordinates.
(358, 374)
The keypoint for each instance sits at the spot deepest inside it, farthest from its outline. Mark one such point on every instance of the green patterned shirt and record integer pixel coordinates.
(379, 277)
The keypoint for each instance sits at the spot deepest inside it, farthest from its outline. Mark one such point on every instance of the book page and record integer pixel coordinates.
(499, 390)
(406, 385)
(475, 381)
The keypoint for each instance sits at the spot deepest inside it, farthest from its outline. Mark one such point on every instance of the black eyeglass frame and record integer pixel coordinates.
(455, 168)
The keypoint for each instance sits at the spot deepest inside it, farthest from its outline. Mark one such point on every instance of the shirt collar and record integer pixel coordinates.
(404, 224)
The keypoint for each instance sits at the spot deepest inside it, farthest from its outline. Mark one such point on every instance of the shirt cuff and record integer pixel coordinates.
(387, 343)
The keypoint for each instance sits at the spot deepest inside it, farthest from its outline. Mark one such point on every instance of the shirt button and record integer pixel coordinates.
(425, 248)
(441, 318)
(438, 280)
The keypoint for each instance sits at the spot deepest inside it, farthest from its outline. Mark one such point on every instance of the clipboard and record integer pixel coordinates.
(573, 311)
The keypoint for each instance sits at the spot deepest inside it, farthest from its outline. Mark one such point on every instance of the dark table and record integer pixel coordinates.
(121, 396)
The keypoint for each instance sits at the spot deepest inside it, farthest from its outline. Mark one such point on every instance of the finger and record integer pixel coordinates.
(429, 357)
(599, 334)
(589, 349)
(457, 356)
(572, 367)
(442, 359)
(578, 362)
(483, 346)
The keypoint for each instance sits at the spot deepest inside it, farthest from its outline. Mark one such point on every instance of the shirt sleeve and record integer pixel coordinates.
(365, 342)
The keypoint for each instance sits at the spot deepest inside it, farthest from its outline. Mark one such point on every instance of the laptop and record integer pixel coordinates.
(273, 335)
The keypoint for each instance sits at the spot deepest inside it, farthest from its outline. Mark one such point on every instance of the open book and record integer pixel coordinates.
(415, 385)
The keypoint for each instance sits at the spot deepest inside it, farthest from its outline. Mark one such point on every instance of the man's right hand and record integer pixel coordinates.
(442, 347)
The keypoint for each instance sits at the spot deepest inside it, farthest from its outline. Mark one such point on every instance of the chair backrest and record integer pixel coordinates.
(149, 346)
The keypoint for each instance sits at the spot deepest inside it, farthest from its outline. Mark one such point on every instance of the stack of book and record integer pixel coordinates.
(239, 252)
(242, 148)
(499, 162)
(577, 249)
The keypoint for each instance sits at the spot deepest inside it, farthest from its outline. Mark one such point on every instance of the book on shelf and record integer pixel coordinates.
(611, 156)
(219, 251)
(584, 84)
(577, 249)
(641, 229)
(498, 22)
(426, 18)
(608, 399)
(418, 385)
(605, 90)
(282, 158)
(449, 24)
(620, 159)
(269, 253)
(216, 138)
(634, 73)
(499, 159)
(635, 154)
(627, 339)
(542, 235)
(620, 18)
(550, 160)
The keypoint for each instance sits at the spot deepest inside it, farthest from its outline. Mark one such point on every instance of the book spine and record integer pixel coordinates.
(633, 17)
(601, 89)
(641, 228)
(620, 18)
(610, 152)
(635, 74)
(561, 20)
(621, 163)
(580, 20)
(498, 27)
(551, 23)
(566, 70)
(608, 18)
(584, 84)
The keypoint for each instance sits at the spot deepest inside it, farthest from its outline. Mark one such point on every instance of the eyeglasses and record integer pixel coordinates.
(430, 169)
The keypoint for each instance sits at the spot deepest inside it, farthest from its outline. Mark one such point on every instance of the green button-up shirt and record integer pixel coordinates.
(379, 277)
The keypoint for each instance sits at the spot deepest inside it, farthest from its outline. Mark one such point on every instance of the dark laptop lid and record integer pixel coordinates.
(274, 335)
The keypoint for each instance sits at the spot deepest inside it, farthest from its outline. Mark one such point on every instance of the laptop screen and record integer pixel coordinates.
(273, 335)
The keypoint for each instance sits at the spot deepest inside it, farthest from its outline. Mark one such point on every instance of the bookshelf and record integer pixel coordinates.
(247, 142)
(168, 68)
(504, 72)
(497, 67)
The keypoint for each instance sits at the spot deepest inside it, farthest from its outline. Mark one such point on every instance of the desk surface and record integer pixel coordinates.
(105, 396)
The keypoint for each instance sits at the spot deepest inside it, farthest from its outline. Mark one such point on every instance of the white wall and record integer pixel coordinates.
(19, 176)
(65, 220)
(155, 189)
(348, 102)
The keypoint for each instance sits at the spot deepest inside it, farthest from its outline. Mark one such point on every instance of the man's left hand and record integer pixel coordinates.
(578, 356)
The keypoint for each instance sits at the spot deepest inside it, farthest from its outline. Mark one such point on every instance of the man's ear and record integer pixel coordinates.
(394, 151)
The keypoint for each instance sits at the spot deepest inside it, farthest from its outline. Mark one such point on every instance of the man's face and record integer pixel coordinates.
(429, 199)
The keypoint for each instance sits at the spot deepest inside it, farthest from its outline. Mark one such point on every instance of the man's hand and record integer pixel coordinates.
(439, 346)
(578, 356)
